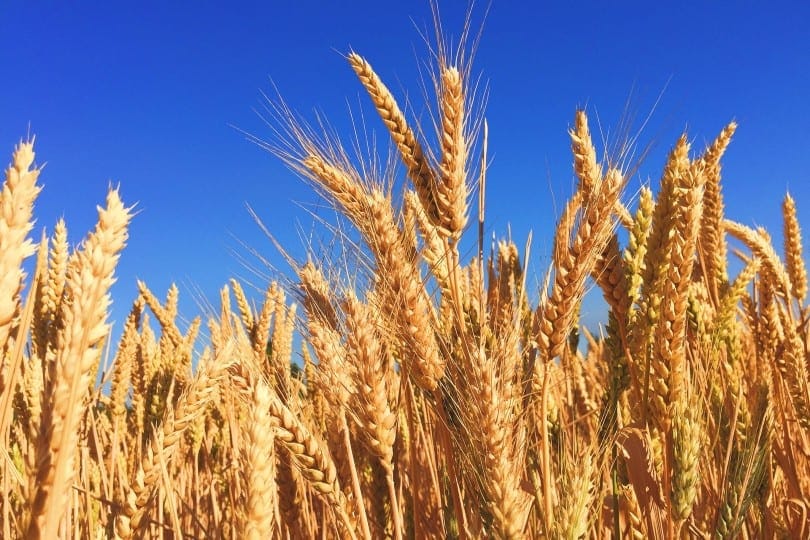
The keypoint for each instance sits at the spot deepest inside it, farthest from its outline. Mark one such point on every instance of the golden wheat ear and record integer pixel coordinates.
(452, 190)
(77, 360)
(794, 250)
(419, 170)
(17, 197)
(311, 456)
(712, 242)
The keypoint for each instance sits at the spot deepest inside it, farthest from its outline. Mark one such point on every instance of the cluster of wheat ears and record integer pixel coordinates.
(430, 396)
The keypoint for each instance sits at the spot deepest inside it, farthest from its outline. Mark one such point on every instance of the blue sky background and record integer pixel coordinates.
(145, 94)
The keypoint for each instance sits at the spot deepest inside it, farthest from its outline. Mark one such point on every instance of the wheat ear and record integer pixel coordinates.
(16, 208)
(793, 250)
(163, 313)
(311, 456)
(669, 359)
(712, 236)
(411, 313)
(451, 192)
(686, 441)
(53, 287)
(334, 372)
(760, 245)
(574, 260)
(261, 473)
(586, 166)
(419, 170)
(242, 303)
(260, 332)
(366, 350)
(85, 327)
(406, 297)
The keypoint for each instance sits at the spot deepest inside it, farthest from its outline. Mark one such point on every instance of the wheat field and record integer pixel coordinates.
(411, 388)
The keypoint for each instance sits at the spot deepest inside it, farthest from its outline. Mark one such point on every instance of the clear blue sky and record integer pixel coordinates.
(145, 93)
